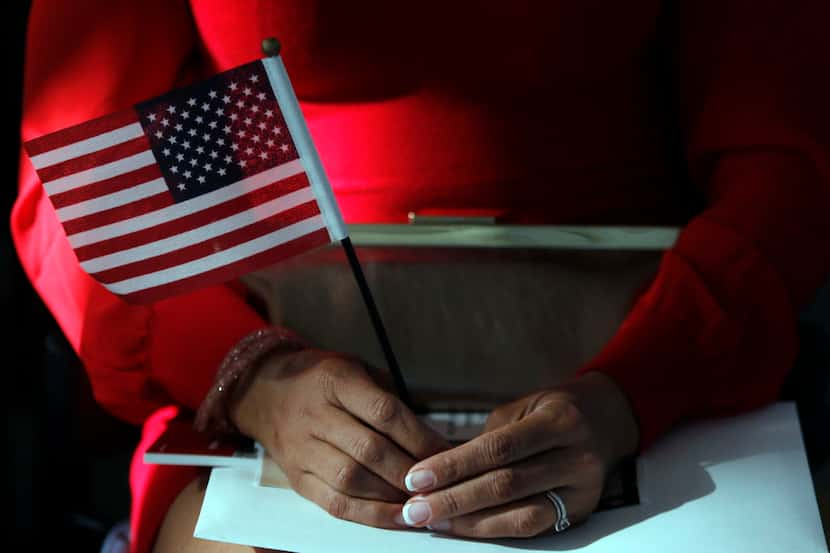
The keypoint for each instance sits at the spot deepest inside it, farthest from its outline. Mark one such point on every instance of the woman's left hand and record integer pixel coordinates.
(493, 486)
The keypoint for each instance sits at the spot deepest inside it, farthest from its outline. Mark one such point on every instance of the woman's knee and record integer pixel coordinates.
(176, 532)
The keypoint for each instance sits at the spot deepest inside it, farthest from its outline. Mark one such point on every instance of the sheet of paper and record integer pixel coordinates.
(737, 484)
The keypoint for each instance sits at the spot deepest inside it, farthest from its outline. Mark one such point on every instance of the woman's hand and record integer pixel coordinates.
(493, 486)
(344, 442)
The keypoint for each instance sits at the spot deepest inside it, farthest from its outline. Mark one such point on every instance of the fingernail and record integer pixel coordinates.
(416, 512)
(440, 526)
(420, 480)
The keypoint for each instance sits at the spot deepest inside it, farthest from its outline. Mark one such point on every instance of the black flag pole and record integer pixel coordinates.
(271, 47)
(377, 322)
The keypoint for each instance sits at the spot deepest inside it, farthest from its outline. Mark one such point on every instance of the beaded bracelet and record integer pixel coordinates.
(213, 415)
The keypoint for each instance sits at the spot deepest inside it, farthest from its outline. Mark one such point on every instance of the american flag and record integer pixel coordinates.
(195, 187)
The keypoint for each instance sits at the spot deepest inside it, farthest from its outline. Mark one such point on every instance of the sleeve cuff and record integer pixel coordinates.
(191, 334)
(713, 334)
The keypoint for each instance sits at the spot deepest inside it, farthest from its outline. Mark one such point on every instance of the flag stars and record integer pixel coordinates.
(220, 134)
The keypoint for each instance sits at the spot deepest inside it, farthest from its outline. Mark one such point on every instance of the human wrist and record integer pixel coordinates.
(235, 372)
(605, 404)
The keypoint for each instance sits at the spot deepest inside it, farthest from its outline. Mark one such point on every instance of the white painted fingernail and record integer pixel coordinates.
(420, 480)
(440, 526)
(416, 512)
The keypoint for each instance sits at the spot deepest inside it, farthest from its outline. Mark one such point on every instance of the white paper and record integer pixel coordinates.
(730, 485)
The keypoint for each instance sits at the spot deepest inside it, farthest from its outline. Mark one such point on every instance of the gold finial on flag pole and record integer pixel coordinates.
(271, 46)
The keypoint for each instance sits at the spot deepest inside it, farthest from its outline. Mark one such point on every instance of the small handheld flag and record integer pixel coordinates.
(192, 188)
(196, 187)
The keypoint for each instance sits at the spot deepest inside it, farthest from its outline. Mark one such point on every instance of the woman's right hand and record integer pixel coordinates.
(343, 441)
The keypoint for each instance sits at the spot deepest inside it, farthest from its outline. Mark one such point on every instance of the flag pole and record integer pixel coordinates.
(271, 48)
(377, 322)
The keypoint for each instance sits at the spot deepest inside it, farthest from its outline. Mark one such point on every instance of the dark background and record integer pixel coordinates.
(67, 460)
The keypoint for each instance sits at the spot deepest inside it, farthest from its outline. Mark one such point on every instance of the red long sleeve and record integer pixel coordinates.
(83, 60)
(716, 331)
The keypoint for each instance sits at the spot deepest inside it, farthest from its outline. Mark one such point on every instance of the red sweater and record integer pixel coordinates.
(711, 114)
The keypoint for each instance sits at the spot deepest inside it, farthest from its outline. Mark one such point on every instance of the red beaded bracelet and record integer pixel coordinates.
(213, 415)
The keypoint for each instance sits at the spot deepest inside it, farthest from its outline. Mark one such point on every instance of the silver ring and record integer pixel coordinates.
(562, 522)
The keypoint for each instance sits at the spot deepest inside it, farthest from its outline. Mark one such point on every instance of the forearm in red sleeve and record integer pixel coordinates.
(715, 333)
(85, 59)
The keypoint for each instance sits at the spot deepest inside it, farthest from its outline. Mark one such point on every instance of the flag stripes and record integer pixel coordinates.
(192, 221)
(107, 186)
(74, 136)
(233, 270)
(121, 227)
(208, 246)
(117, 189)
